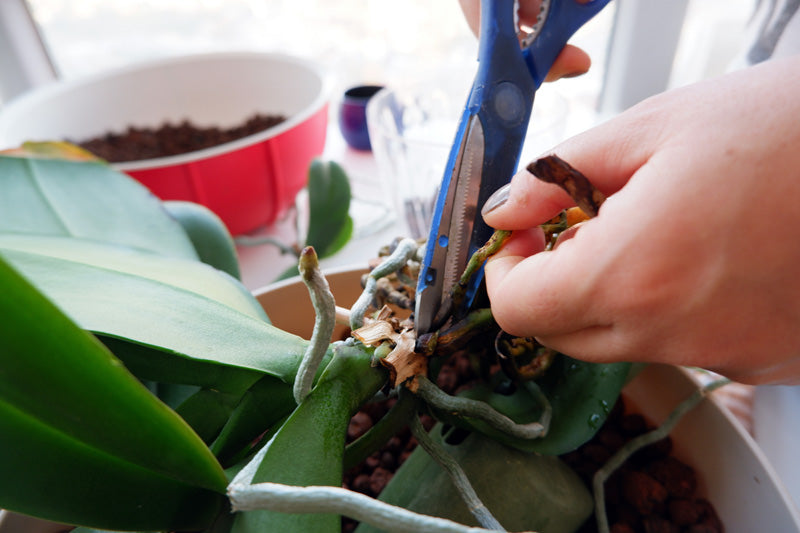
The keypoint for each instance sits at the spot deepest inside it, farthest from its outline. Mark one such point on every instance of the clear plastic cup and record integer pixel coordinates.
(411, 129)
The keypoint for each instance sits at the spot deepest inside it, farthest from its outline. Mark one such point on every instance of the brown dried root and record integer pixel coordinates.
(391, 291)
(553, 169)
(403, 363)
(409, 355)
(454, 337)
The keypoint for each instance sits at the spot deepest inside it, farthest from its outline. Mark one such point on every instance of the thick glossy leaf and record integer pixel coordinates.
(192, 276)
(524, 491)
(329, 225)
(76, 426)
(86, 199)
(181, 323)
(341, 239)
(210, 237)
(308, 448)
(159, 365)
(206, 411)
(260, 408)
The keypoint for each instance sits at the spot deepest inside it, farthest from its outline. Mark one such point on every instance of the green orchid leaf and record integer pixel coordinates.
(86, 199)
(172, 394)
(290, 272)
(206, 411)
(160, 366)
(223, 341)
(77, 426)
(210, 237)
(582, 395)
(309, 446)
(342, 238)
(524, 491)
(190, 275)
(256, 400)
(329, 225)
(260, 408)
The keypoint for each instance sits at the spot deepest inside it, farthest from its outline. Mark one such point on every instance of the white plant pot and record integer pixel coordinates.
(732, 471)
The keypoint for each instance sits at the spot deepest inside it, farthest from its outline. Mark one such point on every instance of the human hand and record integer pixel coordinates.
(571, 62)
(694, 259)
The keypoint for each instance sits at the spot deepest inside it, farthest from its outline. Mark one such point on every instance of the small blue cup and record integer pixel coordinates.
(353, 117)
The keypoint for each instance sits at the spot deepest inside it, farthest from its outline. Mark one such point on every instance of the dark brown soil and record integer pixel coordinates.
(371, 476)
(651, 493)
(135, 144)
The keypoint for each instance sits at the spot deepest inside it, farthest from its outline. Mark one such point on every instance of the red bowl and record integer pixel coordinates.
(249, 182)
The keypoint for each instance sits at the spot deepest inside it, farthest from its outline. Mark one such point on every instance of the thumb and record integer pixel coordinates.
(608, 155)
(570, 62)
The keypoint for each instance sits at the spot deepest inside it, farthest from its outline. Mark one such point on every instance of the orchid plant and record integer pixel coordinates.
(143, 388)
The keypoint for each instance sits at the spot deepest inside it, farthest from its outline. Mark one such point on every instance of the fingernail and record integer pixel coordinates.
(498, 198)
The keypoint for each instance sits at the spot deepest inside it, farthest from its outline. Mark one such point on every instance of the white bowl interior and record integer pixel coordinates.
(211, 89)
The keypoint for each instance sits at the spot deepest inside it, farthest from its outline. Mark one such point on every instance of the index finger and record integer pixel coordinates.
(608, 155)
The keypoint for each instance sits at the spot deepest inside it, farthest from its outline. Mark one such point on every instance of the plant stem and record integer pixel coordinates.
(476, 261)
(466, 407)
(457, 335)
(324, 322)
(405, 250)
(457, 475)
(336, 500)
(636, 444)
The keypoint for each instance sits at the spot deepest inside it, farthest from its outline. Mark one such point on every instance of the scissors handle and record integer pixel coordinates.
(564, 18)
(505, 84)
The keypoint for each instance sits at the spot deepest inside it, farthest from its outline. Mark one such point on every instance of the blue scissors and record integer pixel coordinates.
(488, 142)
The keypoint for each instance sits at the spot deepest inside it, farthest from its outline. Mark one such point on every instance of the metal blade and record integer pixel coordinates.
(451, 251)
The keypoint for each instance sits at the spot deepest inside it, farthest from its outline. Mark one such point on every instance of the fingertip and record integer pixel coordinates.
(570, 62)
(472, 14)
(521, 245)
(500, 275)
(497, 268)
(548, 293)
(524, 203)
(524, 243)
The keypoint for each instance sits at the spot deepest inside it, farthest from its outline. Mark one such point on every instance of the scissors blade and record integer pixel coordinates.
(449, 251)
